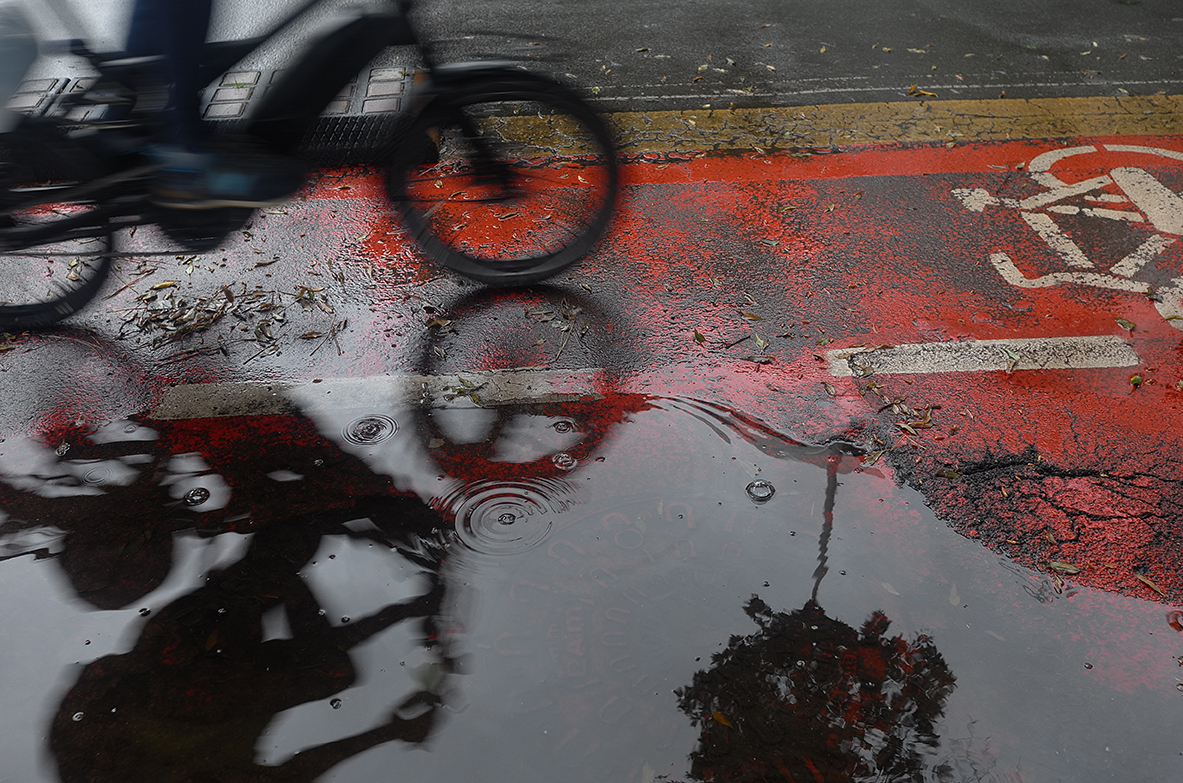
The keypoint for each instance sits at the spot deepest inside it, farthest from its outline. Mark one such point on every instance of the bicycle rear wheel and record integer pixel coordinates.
(525, 181)
(55, 248)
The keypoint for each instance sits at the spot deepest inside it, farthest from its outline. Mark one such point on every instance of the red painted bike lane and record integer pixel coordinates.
(998, 319)
(991, 323)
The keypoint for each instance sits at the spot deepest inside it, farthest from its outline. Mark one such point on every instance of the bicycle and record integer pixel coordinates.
(500, 174)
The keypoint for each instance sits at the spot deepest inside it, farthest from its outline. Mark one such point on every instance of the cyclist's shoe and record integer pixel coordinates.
(211, 180)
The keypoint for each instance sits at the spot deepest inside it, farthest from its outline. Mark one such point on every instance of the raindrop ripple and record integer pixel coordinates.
(496, 518)
(371, 429)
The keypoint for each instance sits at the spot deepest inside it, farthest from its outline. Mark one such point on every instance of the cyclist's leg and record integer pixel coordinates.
(192, 175)
(176, 30)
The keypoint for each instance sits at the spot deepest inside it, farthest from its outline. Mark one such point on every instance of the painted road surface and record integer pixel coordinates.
(980, 333)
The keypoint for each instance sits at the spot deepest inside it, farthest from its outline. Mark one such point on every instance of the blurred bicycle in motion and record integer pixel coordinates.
(500, 174)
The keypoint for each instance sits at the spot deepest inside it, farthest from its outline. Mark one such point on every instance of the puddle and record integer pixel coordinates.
(628, 589)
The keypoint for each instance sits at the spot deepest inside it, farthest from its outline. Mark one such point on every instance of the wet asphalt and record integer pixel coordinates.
(658, 55)
(330, 525)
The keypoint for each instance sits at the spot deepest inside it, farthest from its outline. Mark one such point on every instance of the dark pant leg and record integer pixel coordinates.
(176, 29)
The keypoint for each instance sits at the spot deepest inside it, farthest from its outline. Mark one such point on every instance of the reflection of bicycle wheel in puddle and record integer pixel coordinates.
(1116, 226)
(512, 438)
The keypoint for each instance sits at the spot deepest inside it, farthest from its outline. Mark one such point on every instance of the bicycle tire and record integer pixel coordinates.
(531, 196)
(42, 282)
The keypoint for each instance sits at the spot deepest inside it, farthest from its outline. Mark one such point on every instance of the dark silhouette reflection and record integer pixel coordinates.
(809, 698)
(191, 700)
(106, 503)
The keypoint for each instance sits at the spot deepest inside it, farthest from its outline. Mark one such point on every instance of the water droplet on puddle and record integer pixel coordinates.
(145, 612)
(345, 619)
(335, 704)
(196, 496)
(369, 430)
(760, 491)
(564, 426)
(1088, 666)
(564, 461)
(495, 518)
(78, 716)
(130, 428)
(62, 448)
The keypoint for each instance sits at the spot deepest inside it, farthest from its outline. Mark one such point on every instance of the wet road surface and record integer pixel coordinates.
(847, 455)
(577, 530)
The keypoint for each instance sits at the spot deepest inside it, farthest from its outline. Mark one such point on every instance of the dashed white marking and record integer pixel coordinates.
(1037, 353)
(261, 398)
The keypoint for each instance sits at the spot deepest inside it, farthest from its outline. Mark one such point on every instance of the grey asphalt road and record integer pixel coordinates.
(646, 54)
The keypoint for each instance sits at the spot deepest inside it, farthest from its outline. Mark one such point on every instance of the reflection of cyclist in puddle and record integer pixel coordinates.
(192, 698)
(107, 503)
(810, 698)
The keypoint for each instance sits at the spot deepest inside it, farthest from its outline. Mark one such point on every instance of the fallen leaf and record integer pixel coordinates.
(761, 343)
(1063, 567)
(721, 718)
(1124, 324)
(1146, 581)
(698, 338)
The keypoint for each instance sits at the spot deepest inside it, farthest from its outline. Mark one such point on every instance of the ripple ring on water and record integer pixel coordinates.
(507, 518)
(371, 429)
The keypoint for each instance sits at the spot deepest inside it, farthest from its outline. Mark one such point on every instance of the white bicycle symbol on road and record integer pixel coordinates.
(1153, 204)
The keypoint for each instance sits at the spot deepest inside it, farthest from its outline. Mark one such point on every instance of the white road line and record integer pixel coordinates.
(262, 398)
(1039, 353)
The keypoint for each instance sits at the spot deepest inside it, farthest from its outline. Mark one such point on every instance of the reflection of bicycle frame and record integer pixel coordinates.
(524, 184)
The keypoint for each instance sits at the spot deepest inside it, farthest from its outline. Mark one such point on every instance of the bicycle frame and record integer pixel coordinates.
(280, 120)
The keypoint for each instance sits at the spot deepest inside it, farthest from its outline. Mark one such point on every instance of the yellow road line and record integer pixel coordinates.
(866, 123)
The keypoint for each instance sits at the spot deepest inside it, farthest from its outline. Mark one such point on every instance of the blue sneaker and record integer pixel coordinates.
(211, 180)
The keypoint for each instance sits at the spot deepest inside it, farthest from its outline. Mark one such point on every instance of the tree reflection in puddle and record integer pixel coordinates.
(808, 697)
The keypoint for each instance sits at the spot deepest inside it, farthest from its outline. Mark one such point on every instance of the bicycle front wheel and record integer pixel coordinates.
(55, 248)
(525, 181)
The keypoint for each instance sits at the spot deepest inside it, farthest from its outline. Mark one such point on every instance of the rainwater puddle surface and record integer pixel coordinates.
(634, 589)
